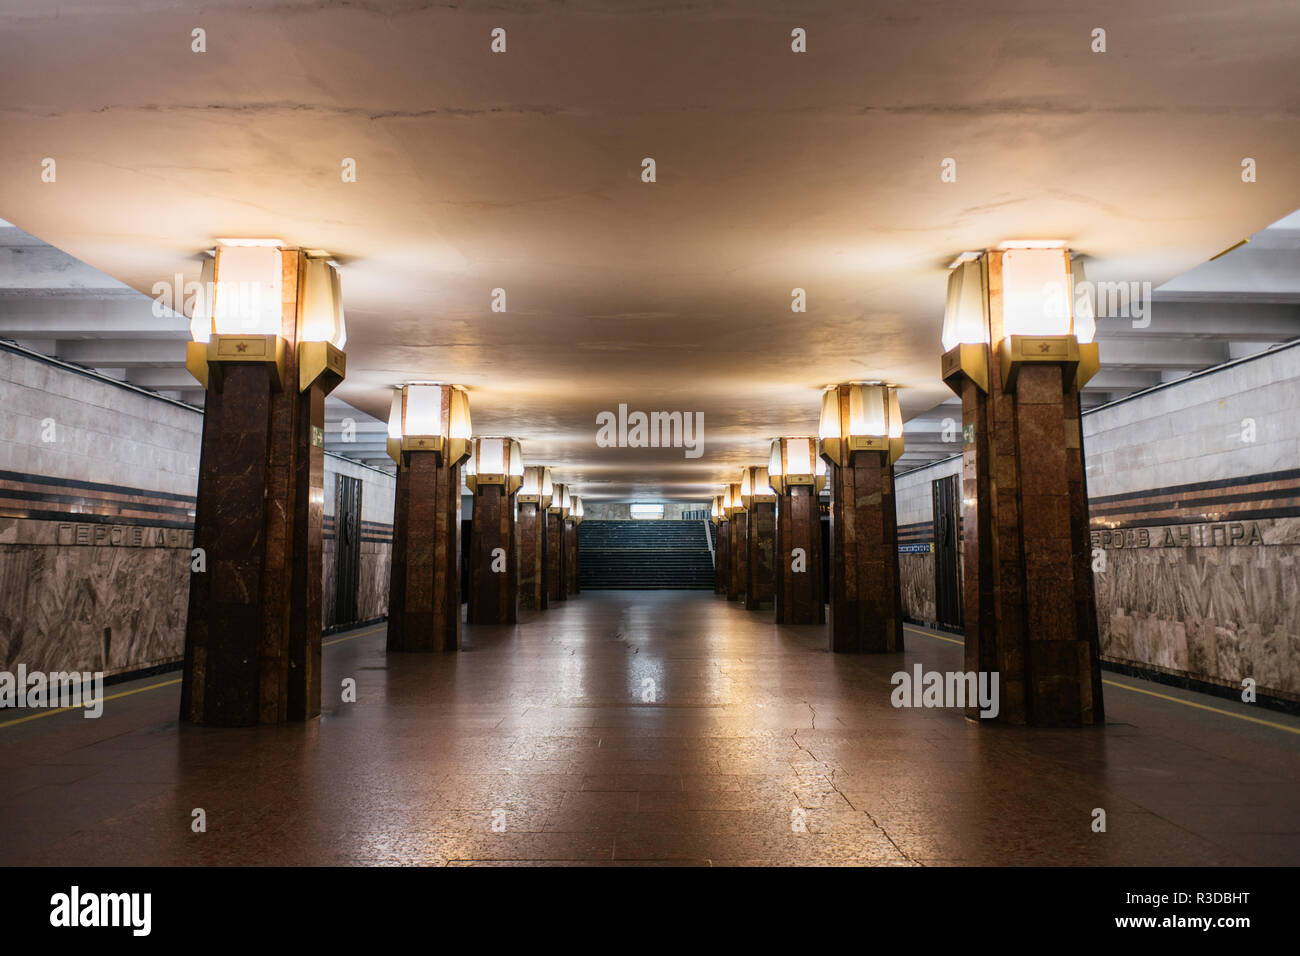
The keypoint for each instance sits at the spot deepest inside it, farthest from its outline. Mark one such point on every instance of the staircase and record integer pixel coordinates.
(644, 555)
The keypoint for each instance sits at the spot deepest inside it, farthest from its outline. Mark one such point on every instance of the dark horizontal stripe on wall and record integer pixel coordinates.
(1175, 491)
(54, 498)
(69, 517)
(1277, 494)
(1157, 521)
(372, 526)
(93, 486)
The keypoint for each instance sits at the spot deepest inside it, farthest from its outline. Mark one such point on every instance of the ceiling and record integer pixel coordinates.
(775, 170)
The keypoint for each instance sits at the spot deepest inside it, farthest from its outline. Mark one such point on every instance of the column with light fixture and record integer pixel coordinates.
(557, 580)
(797, 475)
(533, 498)
(1018, 348)
(738, 519)
(429, 438)
(268, 333)
(493, 473)
(571, 541)
(718, 515)
(760, 530)
(860, 438)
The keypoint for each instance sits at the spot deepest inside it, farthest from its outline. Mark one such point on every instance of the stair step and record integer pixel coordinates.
(645, 555)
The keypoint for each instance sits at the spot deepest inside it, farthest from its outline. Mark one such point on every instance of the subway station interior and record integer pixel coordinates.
(621, 434)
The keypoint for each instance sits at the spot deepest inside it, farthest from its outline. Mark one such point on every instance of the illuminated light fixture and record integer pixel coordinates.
(536, 487)
(1037, 312)
(1041, 320)
(394, 443)
(321, 328)
(718, 513)
(561, 503)
(575, 509)
(966, 325)
(495, 461)
(427, 416)
(860, 416)
(238, 313)
(794, 461)
(1085, 324)
(754, 487)
(735, 504)
(196, 351)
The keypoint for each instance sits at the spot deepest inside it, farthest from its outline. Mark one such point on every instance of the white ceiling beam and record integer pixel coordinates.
(124, 353)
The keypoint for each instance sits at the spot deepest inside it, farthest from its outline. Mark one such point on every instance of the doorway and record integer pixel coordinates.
(347, 544)
(947, 583)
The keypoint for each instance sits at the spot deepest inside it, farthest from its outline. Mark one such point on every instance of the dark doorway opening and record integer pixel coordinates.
(347, 549)
(947, 583)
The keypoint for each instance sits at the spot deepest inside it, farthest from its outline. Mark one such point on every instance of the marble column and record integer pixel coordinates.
(493, 557)
(866, 613)
(736, 545)
(253, 632)
(760, 534)
(798, 557)
(721, 553)
(424, 590)
(305, 622)
(556, 565)
(531, 529)
(1029, 600)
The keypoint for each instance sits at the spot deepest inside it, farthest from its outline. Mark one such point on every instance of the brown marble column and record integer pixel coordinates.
(308, 550)
(253, 632)
(760, 537)
(736, 545)
(492, 556)
(721, 553)
(978, 602)
(865, 598)
(1029, 604)
(556, 565)
(424, 591)
(798, 577)
(531, 530)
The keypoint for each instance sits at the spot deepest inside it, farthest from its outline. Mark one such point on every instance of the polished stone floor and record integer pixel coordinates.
(544, 743)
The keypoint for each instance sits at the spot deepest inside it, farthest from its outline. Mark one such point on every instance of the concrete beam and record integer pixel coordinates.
(124, 353)
(1159, 353)
(86, 317)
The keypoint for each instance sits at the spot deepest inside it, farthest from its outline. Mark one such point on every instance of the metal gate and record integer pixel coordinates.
(347, 548)
(947, 585)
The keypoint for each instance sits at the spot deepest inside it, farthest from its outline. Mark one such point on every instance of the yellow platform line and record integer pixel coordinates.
(166, 683)
(1149, 693)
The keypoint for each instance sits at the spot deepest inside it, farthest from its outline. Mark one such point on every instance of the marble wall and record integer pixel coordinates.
(97, 484)
(1194, 507)
(96, 509)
